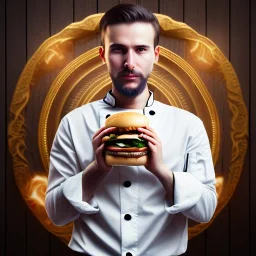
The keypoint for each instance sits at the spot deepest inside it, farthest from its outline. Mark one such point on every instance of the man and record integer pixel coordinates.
(127, 210)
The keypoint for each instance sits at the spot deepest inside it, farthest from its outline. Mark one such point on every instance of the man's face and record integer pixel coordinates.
(130, 55)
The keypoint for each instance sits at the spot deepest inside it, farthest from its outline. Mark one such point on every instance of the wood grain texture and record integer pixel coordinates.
(15, 236)
(252, 115)
(103, 6)
(3, 123)
(231, 24)
(82, 9)
(239, 57)
(195, 15)
(218, 24)
(150, 5)
(217, 16)
(38, 30)
(173, 9)
(129, 1)
(196, 19)
(61, 15)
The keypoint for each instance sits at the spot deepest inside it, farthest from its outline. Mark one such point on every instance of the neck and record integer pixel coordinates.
(138, 102)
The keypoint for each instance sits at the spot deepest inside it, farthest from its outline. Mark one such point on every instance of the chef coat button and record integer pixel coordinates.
(127, 217)
(108, 115)
(128, 254)
(152, 112)
(127, 184)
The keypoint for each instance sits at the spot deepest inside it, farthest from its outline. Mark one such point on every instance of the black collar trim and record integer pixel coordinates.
(111, 100)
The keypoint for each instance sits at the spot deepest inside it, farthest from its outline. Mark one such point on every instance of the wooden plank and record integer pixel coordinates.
(239, 57)
(61, 16)
(150, 5)
(129, 1)
(218, 31)
(252, 112)
(82, 9)
(61, 12)
(173, 9)
(194, 16)
(15, 212)
(103, 6)
(37, 32)
(218, 24)
(3, 122)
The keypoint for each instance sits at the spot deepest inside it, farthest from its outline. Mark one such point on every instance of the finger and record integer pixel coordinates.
(99, 150)
(153, 148)
(98, 138)
(147, 132)
(150, 131)
(98, 132)
(105, 130)
(100, 158)
(144, 130)
(149, 138)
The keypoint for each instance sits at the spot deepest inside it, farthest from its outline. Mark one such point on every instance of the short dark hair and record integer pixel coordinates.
(128, 13)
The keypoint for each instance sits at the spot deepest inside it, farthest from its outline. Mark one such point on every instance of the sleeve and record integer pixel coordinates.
(63, 200)
(194, 189)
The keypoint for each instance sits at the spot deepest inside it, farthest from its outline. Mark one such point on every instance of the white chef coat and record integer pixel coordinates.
(129, 213)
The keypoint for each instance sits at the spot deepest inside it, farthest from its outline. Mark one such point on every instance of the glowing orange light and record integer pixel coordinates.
(202, 55)
(38, 189)
(219, 185)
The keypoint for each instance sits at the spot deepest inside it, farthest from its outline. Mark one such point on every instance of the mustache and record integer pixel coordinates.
(126, 71)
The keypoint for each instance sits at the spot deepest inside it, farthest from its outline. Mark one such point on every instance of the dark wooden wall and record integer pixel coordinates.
(25, 24)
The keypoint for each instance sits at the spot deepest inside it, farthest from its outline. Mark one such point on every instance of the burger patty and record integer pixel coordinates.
(128, 149)
(126, 154)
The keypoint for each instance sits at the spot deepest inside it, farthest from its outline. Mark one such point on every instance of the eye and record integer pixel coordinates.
(117, 49)
(141, 49)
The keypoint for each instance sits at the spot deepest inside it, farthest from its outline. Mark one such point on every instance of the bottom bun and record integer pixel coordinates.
(130, 161)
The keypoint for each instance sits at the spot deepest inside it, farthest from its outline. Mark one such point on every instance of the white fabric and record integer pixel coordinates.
(156, 228)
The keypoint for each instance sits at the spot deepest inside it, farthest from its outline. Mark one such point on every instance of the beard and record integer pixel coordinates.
(127, 91)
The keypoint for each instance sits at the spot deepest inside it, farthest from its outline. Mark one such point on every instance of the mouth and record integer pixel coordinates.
(129, 76)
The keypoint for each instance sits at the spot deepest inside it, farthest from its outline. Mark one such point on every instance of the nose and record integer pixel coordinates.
(129, 63)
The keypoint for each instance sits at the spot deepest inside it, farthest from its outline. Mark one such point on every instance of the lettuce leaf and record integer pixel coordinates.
(128, 143)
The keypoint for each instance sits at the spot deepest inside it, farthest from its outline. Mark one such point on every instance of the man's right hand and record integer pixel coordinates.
(96, 172)
(98, 147)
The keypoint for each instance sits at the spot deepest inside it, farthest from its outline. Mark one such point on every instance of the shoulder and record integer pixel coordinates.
(83, 111)
(178, 114)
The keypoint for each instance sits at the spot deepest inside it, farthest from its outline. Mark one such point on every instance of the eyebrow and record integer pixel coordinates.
(137, 46)
(116, 45)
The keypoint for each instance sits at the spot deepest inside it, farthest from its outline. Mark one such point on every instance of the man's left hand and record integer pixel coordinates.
(155, 157)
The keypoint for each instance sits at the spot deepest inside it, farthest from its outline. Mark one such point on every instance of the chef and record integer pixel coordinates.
(130, 210)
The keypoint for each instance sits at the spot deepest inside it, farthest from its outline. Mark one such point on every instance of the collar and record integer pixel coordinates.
(111, 100)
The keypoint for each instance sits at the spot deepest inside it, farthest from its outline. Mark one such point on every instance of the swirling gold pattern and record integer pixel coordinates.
(87, 87)
(173, 81)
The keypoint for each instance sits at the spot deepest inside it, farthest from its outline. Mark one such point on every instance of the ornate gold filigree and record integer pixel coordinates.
(53, 54)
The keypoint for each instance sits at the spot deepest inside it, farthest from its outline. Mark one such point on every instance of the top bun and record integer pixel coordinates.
(127, 119)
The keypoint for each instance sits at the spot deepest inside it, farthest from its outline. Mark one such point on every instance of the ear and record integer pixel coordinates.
(157, 53)
(102, 53)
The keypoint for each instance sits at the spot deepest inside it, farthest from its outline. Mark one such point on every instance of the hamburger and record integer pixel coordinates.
(125, 147)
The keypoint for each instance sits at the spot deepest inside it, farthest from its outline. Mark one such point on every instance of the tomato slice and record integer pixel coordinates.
(133, 149)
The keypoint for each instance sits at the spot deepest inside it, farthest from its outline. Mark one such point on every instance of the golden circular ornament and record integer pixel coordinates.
(174, 81)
